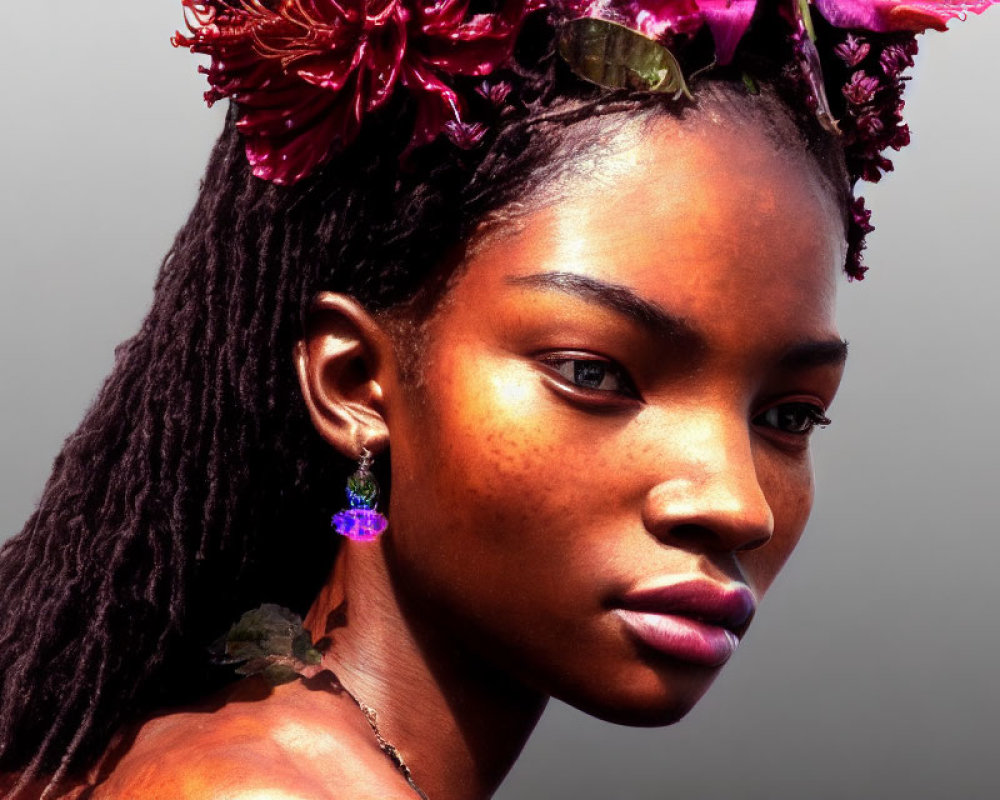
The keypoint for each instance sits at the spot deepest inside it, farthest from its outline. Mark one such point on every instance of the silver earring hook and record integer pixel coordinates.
(365, 461)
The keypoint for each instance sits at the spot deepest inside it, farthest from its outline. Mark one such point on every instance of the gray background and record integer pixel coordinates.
(869, 671)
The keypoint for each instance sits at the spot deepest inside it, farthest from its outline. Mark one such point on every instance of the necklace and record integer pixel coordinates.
(387, 748)
(271, 642)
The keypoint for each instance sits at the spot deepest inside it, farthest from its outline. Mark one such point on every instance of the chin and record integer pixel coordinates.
(655, 698)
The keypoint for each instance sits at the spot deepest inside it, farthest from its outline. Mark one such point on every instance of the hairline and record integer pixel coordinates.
(582, 144)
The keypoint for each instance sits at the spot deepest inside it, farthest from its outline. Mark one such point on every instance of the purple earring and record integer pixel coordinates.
(361, 521)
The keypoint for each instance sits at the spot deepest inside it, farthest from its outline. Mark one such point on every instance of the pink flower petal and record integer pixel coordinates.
(728, 20)
(896, 15)
(662, 18)
(436, 102)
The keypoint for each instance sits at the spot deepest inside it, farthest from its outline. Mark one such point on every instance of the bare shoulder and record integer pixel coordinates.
(286, 745)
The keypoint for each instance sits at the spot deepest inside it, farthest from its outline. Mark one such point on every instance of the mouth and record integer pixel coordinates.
(699, 622)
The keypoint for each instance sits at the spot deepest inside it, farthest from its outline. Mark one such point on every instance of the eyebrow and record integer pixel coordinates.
(621, 299)
(615, 297)
(806, 355)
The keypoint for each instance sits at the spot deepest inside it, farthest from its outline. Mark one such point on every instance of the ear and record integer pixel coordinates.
(343, 362)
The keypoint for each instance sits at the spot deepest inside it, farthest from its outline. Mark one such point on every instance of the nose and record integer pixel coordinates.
(710, 495)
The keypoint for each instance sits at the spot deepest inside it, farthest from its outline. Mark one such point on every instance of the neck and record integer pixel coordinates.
(458, 723)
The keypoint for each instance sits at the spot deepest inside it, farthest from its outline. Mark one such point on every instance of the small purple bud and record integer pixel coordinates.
(869, 124)
(894, 60)
(861, 216)
(874, 167)
(855, 267)
(861, 88)
(496, 93)
(853, 50)
(464, 134)
(900, 138)
(859, 228)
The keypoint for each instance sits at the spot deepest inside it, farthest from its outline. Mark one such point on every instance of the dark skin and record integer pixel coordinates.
(694, 275)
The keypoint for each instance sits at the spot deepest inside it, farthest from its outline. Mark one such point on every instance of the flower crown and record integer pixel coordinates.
(305, 73)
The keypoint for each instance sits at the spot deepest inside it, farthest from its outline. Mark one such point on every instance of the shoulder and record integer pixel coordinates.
(272, 750)
(175, 759)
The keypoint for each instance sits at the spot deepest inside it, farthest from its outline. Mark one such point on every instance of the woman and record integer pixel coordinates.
(667, 489)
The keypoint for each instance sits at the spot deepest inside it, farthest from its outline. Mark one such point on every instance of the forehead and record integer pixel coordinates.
(717, 222)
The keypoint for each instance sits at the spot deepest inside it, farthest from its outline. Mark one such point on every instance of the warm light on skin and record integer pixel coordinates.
(519, 524)
(512, 394)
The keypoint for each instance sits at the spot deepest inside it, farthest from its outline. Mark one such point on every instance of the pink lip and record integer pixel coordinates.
(696, 621)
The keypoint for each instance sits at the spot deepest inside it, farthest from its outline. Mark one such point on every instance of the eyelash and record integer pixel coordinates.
(810, 416)
(600, 369)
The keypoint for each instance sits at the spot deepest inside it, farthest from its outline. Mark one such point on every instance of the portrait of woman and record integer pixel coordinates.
(453, 447)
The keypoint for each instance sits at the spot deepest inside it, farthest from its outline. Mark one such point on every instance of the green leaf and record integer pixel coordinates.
(804, 14)
(616, 57)
(270, 641)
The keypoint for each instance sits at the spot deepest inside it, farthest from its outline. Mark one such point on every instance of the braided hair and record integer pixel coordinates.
(195, 486)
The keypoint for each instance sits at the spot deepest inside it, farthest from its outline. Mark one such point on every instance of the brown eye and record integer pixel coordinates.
(798, 419)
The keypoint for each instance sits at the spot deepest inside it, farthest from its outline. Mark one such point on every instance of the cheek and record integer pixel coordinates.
(477, 483)
(788, 486)
(508, 516)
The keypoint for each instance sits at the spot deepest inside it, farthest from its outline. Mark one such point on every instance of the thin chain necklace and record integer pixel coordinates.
(389, 749)
(271, 642)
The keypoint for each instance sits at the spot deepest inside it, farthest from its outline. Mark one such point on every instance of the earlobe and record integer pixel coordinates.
(343, 363)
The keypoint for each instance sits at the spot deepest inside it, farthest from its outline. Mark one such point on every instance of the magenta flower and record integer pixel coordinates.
(728, 20)
(884, 16)
(306, 73)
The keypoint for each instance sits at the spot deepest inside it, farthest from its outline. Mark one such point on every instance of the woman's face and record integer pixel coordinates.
(606, 461)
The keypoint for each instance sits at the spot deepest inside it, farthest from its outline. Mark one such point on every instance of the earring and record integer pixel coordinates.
(362, 520)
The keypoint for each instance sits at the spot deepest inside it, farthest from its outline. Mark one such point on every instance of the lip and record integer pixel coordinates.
(695, 621)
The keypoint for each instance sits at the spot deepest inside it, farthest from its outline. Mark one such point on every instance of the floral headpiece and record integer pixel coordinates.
(305, 73)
